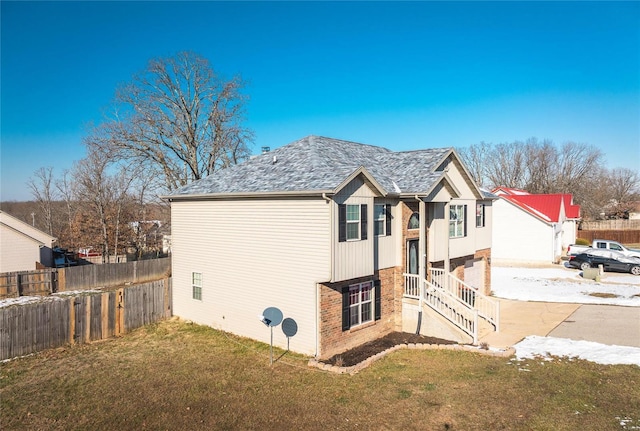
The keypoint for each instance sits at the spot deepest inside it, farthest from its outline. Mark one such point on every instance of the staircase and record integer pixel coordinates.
(460, 304)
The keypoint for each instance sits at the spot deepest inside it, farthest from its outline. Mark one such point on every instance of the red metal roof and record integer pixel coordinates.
(544, 206)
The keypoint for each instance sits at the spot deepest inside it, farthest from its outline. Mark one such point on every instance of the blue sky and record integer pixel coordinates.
(403, 75)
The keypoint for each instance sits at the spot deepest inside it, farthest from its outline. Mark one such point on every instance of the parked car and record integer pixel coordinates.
(603, 244)
(609, 259)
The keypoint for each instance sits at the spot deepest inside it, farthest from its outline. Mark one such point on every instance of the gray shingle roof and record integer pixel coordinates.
(315, 164)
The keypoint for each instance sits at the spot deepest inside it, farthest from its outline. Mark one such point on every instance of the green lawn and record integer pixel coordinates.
(178, 376)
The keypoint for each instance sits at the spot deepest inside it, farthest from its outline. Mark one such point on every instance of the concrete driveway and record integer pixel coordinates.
(606, 324)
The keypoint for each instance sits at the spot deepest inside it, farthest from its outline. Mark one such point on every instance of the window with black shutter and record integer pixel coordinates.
(342, 222)
(377, 294)
(360, 304)
(352, 222)
(387, 211)
(363, 221)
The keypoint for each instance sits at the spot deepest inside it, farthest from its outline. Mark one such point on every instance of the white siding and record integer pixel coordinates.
(17, 251)
(483, 234)
(440, 246)
(253, 254)
(353, 259)
(569, 230)
(22, 245)
(385, 250)
(518, 236)
(438, 240)
(460, 180)
(466, 245)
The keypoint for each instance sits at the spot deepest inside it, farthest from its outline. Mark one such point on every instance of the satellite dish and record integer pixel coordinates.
(289, 327)
(271, 316)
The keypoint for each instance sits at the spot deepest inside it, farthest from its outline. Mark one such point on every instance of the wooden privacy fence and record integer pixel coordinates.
(611, 225)
(58, 321)
(27, 283)
(51, 280)
(622, 236)
(112, 274)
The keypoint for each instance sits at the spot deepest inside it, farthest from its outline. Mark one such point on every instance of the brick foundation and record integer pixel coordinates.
(333, 339)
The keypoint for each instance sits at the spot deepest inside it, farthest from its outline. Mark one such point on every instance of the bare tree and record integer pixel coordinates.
(577, 162)
(178, 117)
(625, 184)
(541, 166)
(67, 191)
(475, 158)
(623, 190)
(507, 166)
(43, 191)
(104, 188)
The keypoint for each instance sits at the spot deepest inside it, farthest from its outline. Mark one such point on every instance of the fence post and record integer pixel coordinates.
(104, 318)
(61, 280)
(135, 271)
(167, 297)
(119, 312)
(72, 320)
(87, 319)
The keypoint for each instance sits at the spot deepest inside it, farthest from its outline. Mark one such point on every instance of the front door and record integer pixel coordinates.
(412, 256)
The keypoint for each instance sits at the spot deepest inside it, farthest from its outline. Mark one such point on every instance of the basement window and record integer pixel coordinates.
(196, 285)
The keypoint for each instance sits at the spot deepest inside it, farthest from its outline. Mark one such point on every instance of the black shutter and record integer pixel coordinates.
(342, 223)
(346, 319)
(464, 233)
(376, 306)
(387, 212)
(363, 221)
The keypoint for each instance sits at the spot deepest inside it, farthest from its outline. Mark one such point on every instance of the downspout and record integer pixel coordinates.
(422, 272)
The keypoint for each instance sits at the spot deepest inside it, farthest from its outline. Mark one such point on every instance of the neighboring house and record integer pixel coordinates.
(535, 228)
(634, 212)
(23, 247)
(341, 238)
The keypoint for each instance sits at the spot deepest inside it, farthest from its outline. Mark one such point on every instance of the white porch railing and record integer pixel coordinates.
(488, 309)
(458, 302)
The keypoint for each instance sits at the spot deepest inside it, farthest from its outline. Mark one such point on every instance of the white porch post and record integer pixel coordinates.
(447, 215)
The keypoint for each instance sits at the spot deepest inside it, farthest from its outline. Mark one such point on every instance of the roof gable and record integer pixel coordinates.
(317, 164)
(26, 229)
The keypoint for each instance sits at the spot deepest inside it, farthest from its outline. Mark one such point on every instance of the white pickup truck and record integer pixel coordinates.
(603, 244)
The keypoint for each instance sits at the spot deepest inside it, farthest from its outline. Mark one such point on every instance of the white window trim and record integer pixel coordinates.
(382, 219)
(458, 224)
(358, 305)
(483, 221)
(196, 285)
(352, 222)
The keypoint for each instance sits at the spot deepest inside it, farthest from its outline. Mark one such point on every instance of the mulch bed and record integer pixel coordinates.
(371, 348)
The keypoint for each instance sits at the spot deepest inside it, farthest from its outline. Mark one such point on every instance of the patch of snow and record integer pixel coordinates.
(566, 285)
(535, 346)
(22, 300)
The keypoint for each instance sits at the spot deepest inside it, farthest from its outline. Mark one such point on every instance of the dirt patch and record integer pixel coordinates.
(603, 295)
(358, 354)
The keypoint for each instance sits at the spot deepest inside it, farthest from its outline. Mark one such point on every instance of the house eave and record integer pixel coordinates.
(248, 195)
